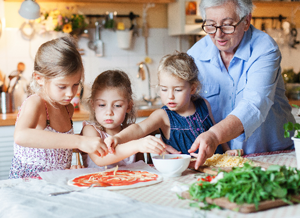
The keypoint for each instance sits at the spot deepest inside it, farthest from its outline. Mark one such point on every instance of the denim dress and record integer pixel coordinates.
(185, 130)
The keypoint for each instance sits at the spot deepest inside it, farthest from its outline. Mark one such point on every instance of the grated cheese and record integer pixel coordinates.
(116, 170)
(224, 160)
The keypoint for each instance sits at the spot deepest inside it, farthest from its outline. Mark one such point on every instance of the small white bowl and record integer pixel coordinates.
(169, 166)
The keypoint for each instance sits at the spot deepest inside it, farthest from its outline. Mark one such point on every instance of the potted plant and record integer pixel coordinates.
(296, 138)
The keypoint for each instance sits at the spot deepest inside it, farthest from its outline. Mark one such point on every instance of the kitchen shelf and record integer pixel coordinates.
(103, 1)
(276, 4)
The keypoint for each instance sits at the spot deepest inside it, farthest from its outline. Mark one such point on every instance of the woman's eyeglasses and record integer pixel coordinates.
(227, 28)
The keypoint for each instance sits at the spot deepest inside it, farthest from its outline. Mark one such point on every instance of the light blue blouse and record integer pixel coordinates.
(252, 89)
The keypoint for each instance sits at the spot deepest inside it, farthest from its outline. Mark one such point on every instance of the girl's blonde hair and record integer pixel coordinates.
(56, 58)
(113, 79)
(181, 65)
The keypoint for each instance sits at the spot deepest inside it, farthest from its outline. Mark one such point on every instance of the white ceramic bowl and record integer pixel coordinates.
(170, 166)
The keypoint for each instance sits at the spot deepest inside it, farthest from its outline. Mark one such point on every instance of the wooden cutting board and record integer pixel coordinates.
(244, 208)
(214, 170)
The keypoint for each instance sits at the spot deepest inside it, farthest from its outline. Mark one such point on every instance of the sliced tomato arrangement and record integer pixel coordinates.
(206, 179)
(111, 178)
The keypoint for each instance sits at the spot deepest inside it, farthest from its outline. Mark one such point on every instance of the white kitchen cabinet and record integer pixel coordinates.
(7, 147)
(104, 1)
(184, 18)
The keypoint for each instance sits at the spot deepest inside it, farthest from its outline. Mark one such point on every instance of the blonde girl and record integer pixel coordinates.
(112, 110)
(43, 138)
(185, 114)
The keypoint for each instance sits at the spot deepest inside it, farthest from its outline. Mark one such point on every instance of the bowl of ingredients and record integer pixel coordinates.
(171, 165)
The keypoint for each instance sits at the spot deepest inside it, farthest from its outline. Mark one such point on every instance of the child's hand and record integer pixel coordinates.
(151, 144)
(171, 150)
(93, 145)
(235, 152)
(111, 142)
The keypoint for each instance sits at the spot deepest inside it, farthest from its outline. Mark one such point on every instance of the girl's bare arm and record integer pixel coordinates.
(29, 131)
(156, 120)
(147, 144)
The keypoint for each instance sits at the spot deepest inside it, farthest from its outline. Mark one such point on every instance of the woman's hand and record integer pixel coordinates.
(111, 142)
(207, 143)
(151, 144)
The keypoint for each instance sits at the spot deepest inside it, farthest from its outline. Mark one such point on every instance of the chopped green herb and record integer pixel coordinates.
(251, 184)
(179, 197)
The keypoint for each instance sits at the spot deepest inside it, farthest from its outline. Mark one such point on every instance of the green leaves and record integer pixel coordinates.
(251, 184)
(291, 127)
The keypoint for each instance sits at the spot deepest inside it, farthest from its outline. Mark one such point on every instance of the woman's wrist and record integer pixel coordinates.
(214, 137)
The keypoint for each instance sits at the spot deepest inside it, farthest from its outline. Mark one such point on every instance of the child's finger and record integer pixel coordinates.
(158, 147)
(101, 152)
(159, 141)
(172, 150)
(112, 148)
(194, 154)
(109, 141)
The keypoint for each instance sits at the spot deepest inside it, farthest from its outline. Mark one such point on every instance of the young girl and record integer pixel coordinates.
(112, 110)
(43, 135)
(185, 114)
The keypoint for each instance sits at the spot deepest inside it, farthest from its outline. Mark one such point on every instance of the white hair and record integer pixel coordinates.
(243, 7)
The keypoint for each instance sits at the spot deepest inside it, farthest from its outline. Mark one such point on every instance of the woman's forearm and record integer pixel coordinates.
(227, 129)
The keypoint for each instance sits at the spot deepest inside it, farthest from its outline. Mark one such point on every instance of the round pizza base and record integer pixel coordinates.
(136, 185)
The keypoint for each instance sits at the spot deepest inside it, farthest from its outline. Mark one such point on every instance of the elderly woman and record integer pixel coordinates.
(241, 77)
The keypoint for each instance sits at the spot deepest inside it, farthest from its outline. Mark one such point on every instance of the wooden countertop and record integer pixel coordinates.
(296, 102)
(9, 119)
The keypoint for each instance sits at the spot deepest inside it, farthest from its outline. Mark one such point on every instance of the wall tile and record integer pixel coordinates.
(3, 45)
(17, 46)
(14, 48)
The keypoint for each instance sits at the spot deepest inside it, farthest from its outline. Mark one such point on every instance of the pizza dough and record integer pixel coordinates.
(117, 180)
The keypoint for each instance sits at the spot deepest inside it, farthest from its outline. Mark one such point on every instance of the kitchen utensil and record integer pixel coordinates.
(293, 37)
(124, 38)
(263, 25)
(1, 85)
(96, 184)
(15, 76)
(13, 83)
(97, 44)
(67, 192)
(141, 72)
(7, 103)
